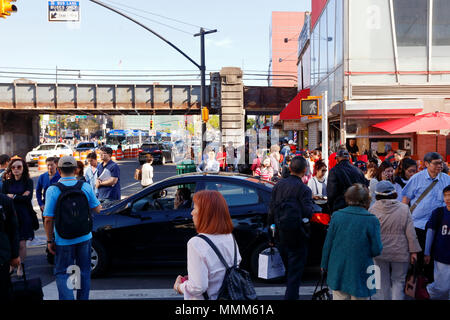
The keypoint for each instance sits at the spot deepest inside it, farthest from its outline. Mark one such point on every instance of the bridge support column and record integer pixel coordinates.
(18, 133)
(232, 107)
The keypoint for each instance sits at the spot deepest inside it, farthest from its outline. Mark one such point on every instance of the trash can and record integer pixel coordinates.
(186, 166)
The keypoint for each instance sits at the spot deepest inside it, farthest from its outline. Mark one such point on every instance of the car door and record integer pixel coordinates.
(247, 208)
(147, 238)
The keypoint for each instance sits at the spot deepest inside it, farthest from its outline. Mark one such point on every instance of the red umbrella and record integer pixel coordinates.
(425, 122)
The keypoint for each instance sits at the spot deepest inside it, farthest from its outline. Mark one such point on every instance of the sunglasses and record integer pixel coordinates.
(16, 167)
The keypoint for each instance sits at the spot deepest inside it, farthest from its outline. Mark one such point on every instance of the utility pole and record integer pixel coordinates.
(201, 67)
(203, 79)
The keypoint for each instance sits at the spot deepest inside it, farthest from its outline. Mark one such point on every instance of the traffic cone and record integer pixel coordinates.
(114, 158)
(41, 163)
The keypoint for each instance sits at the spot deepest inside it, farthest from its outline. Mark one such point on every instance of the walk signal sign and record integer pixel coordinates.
(6, 8)
(309, 107)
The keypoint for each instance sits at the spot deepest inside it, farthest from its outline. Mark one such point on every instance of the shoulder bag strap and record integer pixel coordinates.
(213, 246)
(423, 195)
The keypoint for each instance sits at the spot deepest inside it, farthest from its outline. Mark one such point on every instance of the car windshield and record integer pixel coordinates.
(115, 140)
(86, 145)
(44, 147)
(150, 146)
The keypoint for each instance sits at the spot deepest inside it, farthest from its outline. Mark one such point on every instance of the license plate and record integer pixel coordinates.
(35, 158)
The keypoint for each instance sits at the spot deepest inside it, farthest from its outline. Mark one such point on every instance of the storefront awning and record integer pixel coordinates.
(383, 108)
(292, 110)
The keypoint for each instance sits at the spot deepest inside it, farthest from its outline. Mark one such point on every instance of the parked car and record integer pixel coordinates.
(86, 146)
(147, 228)
(161, 152)
(48, 150)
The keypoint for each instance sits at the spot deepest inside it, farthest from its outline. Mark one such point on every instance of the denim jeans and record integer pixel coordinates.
(294, 260)
(393, 278)
(77, 254)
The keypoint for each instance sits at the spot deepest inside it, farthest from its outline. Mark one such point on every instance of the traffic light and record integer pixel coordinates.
(151, 125)
(205, 114)
(6, 7)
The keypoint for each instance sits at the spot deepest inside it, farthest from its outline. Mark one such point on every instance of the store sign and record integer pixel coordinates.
(63, 11)
(294, 125)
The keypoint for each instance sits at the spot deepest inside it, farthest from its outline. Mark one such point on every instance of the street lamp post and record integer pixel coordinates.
(201, 67)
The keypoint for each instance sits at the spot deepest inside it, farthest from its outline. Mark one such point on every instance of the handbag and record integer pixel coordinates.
(415, 285)
(270, 264)
(27, 289)
(324, 292)
(138, 174)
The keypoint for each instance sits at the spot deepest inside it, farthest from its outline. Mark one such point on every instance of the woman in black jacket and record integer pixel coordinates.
(18, 186)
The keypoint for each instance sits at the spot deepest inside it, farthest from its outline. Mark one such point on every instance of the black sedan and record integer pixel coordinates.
(147, 227)
(161, 152)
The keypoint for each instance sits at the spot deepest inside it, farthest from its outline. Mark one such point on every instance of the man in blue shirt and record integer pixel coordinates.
(108, 172)
(69, 251)
(46, 180)
(415, 187)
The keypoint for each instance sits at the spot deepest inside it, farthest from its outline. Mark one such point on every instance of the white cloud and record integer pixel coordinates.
(224, 43)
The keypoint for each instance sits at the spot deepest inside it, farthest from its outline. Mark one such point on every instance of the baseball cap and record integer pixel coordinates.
(384, 188)
(342, 153)
(67, 162)
(291, 142)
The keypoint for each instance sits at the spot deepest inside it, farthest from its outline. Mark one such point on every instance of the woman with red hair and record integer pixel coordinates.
(205, 271)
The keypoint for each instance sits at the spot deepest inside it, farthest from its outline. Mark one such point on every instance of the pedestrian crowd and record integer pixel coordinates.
(67, 195)
(385, 215)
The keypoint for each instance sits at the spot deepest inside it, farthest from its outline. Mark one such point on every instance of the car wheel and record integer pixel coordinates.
(99, 259)
(254, 261)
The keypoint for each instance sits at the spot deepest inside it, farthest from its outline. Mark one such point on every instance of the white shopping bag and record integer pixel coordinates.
(270, 264)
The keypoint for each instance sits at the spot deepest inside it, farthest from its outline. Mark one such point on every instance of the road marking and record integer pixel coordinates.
(51, 293)
(129, 186)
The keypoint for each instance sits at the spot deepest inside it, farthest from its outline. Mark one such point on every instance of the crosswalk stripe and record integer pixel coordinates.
(51, 293)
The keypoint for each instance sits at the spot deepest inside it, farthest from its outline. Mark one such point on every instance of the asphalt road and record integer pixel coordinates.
(138, 282)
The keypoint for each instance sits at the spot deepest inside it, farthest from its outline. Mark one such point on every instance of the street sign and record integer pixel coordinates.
(310, 106)
(152, 133)
(63, 11)
(52, 122)
(81, 117)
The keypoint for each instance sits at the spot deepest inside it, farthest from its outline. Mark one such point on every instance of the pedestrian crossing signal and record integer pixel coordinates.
(309, 107)
(205, 114)
(6, 8)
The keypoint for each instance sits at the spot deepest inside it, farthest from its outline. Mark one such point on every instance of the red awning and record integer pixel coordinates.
(292, 111)
(425, 122)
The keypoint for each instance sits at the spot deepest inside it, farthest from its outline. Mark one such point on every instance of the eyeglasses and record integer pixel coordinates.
(439, 163)
(18, 167)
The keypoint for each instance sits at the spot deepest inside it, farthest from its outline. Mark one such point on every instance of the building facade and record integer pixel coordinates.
(378, 60)
(284, 30)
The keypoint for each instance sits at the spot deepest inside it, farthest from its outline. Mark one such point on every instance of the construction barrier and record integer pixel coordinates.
(61, 155)
(84, 156)
(135, 152)
(114, 157)
(119, 154)
(127, 153)
(76, 155)
(41, 163)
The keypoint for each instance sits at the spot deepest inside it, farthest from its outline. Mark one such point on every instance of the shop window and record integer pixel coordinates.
(331, 25)
(441, 35)
(411, 23)
(323, 40)
(339, 33)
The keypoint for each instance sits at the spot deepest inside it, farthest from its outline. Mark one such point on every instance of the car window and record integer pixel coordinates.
(234, 194)
(86, 145)
(46, 147)
(175, 197)
(149, 146)
(61, 146)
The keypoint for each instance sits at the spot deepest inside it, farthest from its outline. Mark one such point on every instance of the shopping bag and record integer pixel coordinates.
(416, 284)
(270, 264)
(322, 293)
(27, 289)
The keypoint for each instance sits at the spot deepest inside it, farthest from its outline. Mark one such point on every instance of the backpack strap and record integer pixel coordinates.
(63, 187)
(213, 246)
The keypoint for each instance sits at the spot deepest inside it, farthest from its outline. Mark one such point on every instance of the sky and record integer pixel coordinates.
(104, 40)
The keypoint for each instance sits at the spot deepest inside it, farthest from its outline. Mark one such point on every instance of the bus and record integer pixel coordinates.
(125, 138)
